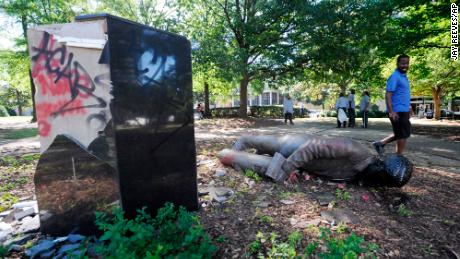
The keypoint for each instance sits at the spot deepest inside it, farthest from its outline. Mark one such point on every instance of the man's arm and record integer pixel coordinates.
(389, 102)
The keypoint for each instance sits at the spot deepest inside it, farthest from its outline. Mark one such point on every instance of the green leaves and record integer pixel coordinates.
(173, 233)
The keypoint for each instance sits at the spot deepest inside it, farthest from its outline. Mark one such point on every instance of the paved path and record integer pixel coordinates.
(17, 146)
(423, 149)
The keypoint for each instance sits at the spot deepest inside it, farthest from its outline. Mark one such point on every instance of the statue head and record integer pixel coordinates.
(392, 170)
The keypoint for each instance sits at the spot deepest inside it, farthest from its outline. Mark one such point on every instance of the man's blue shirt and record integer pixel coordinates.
(398, 84)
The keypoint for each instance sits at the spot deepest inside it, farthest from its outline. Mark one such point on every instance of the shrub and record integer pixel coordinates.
(173, 233)
(3, 111)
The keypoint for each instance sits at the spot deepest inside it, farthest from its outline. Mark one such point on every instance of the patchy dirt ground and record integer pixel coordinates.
(420, 220)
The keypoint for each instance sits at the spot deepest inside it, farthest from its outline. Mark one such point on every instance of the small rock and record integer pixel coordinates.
(60, 239)
(48, 254)
(5, 227)
(339, 215)
(220, 172)
(22, 239)
(307, 223)
(324, 198)
(251, 183)
(24, 204)
(219, 194)
(30, 224)
(74, 238)
(16, 248)
(22, 212)
(42, 247)
(263, 204)
(68, 248)
(293, 221)
(4, 235)
(287, 202)
(5, 213)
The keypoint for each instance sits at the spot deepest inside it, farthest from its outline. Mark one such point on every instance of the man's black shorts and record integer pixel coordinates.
(401, 126)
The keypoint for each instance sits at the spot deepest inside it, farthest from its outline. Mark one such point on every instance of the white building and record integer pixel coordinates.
(268, 97)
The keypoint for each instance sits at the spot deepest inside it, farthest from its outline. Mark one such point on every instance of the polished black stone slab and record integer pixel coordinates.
(71, 184)
(152, 111)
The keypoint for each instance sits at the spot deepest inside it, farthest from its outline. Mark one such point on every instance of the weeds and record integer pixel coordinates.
(342, 194)
(253, 175)
(404, 211)
(351, 246)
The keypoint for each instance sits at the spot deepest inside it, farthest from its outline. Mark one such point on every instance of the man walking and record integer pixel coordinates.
(341, 104)
(364, 107)
(351, 109)
(288, 108)
(398, 105)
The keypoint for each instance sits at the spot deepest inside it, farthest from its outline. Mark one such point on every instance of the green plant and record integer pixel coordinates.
(342, 228)
(220, 239)
(352, 246)
(10, 161)
(253, 175)
(173, 233)
(3, 113)
(266, 219)
(281, 250)
(342, 194)
(404, 211)
(4, 250)
(7, 200)
(31, 157)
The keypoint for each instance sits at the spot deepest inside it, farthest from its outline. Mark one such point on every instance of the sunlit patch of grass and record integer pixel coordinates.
(21, 133)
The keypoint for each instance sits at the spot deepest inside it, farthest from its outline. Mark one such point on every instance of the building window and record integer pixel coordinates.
(274, 98)
(266, 99)
(236, 102)
(281, 99)
(255, 101)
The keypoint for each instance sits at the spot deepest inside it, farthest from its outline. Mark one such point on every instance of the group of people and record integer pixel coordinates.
(346, 109)
(282, 158)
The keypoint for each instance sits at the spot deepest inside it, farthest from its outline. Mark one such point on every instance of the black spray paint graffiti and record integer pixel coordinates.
(60, 66)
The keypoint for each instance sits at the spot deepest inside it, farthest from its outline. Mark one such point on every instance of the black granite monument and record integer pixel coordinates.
(144, 154)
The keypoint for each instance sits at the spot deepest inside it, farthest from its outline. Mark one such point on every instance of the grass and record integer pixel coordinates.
(404, 211)
(20, 133)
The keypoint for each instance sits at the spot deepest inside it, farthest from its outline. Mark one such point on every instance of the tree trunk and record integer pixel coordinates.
(436, 92)
(32, 85)
(243, 112)
(18, 102)
(32, 88)
(207, 111)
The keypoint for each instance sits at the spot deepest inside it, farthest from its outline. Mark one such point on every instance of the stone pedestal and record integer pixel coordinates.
(115, 114)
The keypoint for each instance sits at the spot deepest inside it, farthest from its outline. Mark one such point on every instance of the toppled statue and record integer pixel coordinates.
(340, 159)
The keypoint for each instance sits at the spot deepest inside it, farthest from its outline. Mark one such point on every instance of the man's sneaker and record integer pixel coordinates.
(378, 147)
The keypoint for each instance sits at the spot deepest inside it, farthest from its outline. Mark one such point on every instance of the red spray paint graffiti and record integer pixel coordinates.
(58, 75)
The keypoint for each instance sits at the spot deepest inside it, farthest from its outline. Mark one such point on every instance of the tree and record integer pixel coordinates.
(34, 12)
(434, 73)
(164, 15)
(14, 67)
(256, 31)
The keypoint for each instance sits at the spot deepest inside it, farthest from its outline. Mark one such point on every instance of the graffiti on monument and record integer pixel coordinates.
(65, 88)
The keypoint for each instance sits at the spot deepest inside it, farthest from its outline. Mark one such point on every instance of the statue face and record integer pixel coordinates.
(392, 171)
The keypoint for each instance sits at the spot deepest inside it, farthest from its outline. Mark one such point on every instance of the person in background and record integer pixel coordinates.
(364, 107)
(351, 109)
(341, 104)
(288, 108)
(200, 110)
(398, 105)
